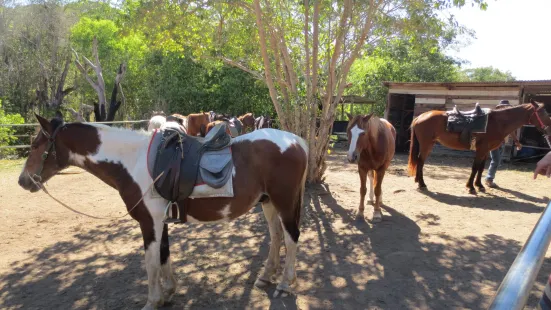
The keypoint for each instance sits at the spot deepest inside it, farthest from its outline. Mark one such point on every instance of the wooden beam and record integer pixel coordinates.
(467, 97)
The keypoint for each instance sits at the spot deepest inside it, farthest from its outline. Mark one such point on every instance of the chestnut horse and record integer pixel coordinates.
(269, 166)
(430, 127)
(371, 144)
(248, 121)
(197, 123)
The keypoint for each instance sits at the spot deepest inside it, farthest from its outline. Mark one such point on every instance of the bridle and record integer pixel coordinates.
(543, 127)
(50, 149)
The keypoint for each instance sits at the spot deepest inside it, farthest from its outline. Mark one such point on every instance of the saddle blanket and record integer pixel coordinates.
(210, 163)
(467, 121)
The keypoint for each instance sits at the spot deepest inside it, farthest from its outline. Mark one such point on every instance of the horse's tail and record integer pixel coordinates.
(413, 152)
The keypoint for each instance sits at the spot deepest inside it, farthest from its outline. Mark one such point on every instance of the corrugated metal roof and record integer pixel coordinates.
(491, 84)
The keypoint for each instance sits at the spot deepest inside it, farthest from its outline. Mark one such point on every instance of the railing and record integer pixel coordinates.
(517, 284)
(30, 136)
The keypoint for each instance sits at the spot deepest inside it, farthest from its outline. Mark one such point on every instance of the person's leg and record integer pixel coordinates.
(495, 155)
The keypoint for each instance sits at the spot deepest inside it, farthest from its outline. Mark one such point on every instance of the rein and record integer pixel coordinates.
(43, 188)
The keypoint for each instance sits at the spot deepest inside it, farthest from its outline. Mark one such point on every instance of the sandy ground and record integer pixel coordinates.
(443, 249)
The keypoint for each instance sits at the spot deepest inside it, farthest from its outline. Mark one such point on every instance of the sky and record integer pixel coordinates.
(513, 35)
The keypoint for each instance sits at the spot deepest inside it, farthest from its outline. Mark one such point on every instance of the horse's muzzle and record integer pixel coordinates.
(27, 184)
(353, 158)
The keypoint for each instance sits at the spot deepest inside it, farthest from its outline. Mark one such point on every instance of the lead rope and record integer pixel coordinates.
(43, 188)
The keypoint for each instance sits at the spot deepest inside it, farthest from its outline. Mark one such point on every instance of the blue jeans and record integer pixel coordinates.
(495, 155)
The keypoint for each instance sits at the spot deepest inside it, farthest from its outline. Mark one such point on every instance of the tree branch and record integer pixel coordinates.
(268, 73)
(242, 67)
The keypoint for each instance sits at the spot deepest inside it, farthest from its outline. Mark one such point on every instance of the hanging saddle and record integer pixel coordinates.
(181, 160)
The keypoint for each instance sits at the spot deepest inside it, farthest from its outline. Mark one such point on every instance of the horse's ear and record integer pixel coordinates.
(368, 116)
(350, 117)
(534, 103)
(44, 124)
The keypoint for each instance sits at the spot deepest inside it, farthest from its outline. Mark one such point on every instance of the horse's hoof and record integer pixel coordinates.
(261, 283)
(168, 294)
(377, 217)
(282, 290)
(422, 189)
(149, 306)
(482, 189)
(471, 191)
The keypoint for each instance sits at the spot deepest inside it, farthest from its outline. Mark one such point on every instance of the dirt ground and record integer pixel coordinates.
(443, 249)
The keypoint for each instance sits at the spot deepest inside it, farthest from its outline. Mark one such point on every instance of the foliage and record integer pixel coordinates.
(400, 60)
(486, 74)
(6, 133)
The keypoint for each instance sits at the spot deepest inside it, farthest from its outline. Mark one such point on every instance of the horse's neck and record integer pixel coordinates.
(513, 118)
(117, 148)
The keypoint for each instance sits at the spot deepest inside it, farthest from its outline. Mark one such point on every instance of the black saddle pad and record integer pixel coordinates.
(467, 121)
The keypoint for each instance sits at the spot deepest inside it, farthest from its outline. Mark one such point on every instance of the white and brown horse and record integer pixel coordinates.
(372, 145)
(269, 166)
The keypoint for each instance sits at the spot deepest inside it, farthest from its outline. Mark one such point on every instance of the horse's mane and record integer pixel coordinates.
(375, 126)
(104, 127)
(506, 107)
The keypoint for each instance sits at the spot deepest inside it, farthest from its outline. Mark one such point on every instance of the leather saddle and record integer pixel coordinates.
(467, 122)
(178, 157)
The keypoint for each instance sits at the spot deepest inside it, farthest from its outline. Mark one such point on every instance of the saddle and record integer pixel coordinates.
(236, 127)
(467, 122)
(185, 161)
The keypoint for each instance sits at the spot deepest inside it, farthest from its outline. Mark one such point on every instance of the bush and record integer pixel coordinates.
(6, 133)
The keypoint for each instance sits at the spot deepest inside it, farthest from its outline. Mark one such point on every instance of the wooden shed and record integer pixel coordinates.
(408, 100)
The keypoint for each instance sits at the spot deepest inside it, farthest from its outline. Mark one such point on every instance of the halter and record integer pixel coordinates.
(51, 145)
(543, 127)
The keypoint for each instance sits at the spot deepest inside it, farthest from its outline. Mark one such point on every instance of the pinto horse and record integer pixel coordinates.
(263, 121)
(269, 166)
(430, 127)
(371, 145)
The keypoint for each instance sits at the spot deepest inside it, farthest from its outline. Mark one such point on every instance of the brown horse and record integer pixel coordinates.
(197, 124)
(248, 121)
(430, 127)
(372, 144)
(269, 166)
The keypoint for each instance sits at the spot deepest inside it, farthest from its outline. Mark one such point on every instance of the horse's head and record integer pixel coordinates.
(540, 118)
(357, 127)
(47, 157)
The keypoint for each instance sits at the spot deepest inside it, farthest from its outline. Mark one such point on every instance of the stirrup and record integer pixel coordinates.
(171, 220)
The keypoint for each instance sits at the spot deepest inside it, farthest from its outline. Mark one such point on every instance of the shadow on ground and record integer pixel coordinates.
(342, 263)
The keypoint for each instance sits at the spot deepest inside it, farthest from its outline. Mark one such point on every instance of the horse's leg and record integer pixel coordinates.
(474, 171)
(363, 190)
(425, 146)
(153, 259)
(289, 208)
(377, 214)
(272, 263)
(371, 194)
(478, 181)
(166, 268)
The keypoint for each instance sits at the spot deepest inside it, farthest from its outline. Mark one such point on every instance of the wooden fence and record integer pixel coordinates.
(30, 136)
